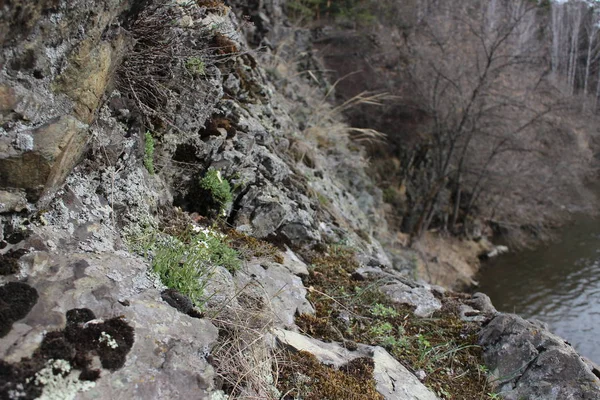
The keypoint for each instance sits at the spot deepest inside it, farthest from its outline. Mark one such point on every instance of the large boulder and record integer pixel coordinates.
(528, 362)
(44, 156)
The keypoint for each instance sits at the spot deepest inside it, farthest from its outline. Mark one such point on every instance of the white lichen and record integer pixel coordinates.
(24, 142)
(110, 342)
(60, 382)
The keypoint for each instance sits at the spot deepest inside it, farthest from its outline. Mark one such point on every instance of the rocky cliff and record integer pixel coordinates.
(185, 216)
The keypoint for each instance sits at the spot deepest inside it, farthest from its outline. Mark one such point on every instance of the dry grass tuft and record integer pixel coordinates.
(244, 359)
(167, 72)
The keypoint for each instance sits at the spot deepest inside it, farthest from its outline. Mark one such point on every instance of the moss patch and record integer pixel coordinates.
(9, 261)
(249, 247)
(16, 300)
(63, 351)
(350, 310)
(303, 376)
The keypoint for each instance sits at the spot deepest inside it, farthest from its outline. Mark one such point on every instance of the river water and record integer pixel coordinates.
(558, 283)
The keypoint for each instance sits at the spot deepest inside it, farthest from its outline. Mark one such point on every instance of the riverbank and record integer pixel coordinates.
(557, 283)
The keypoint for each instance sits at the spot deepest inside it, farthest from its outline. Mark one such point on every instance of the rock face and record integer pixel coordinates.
(51, 85)
(168, 354)
(75, 183)
(528, 362)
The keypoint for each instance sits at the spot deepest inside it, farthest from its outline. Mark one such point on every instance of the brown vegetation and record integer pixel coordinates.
(351, 310)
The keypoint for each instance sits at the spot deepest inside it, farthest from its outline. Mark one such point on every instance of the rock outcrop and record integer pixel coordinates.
(528, 362)
(105, 134)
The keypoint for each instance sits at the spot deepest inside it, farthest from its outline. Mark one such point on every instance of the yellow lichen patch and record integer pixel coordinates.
(303, 376)
(351, 310)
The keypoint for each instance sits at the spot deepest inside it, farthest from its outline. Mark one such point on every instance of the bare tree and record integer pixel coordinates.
(479, 70)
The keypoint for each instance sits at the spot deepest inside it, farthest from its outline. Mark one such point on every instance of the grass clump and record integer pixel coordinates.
(304, 377)
(443, 346)
(186, 262)
(218, 189)
(149, 152)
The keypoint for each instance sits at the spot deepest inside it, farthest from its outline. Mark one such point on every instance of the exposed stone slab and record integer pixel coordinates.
(168, 356)
(283, 291)
(393, 380)
(419, 296)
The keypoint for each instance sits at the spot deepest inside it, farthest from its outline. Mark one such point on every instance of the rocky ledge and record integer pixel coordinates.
(184, 217)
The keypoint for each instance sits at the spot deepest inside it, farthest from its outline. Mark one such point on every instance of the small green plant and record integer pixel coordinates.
(196, 66)
(186, 262)
(149, 152)
(382, 330)
(218, 188)
(323, 201)
(394, 343)
(379, 310)
(494, 396)
(424, 344)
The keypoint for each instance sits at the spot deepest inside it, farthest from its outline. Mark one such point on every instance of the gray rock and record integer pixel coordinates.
(528, 362)
(12, 201)
(168, 355)
(394, 381)
(293, 264)
(419, 296)
(483, 303)
(282, 291)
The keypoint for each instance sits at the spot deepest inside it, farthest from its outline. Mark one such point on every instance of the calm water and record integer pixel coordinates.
(558, 284)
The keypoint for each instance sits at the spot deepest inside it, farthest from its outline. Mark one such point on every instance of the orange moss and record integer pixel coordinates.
(249, 246)
(305, 377)
(224, 45)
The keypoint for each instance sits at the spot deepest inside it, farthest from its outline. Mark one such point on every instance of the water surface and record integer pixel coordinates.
(558, 283)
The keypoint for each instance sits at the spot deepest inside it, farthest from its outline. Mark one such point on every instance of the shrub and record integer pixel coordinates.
(217, 188)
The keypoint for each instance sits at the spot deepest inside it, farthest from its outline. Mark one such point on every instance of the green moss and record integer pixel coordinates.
(379, 310)
(218, 188)
(149, 152)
